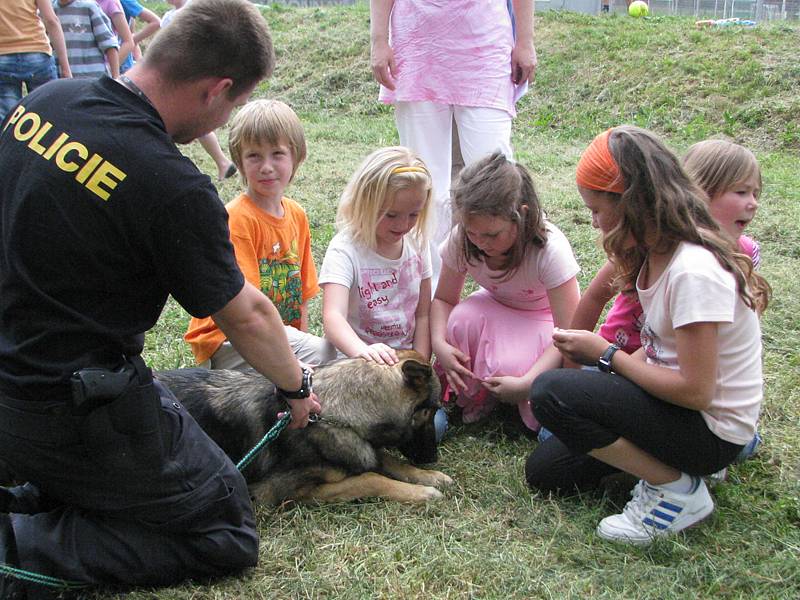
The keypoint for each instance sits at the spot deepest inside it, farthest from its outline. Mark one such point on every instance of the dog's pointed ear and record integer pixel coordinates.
(416, 374)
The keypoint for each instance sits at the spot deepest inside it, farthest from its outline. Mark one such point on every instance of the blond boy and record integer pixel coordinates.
(270, 234)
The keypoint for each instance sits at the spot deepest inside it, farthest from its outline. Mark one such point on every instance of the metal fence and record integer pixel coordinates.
(755, 10)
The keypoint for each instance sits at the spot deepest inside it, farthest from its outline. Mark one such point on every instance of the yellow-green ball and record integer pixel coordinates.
(638, 9)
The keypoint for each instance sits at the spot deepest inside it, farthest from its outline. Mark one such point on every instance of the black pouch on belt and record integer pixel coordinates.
(118, 414)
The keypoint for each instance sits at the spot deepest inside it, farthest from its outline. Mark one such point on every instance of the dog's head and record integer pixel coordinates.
(390, 406)
(418, 375)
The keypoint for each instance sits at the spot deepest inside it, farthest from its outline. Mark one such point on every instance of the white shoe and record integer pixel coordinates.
(654, 511)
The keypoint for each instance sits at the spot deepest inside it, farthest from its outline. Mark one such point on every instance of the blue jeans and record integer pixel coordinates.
(31, 68)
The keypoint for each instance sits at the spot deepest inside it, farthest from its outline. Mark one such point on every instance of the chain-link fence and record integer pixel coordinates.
(756, 10)
(752, 10)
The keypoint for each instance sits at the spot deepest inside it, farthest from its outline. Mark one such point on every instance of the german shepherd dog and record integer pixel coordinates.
(366, 407)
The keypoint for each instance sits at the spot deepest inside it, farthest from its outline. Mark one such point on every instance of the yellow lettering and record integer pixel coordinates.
(106, 175)
(87, 169)
(36, 122)
(97, 174)
(61, 157)
(34, 143)
(13, 119)
(55, 146)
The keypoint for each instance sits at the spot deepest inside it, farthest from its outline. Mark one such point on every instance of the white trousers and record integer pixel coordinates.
(426, 128)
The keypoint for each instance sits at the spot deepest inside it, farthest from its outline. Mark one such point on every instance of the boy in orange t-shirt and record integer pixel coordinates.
(270, 234)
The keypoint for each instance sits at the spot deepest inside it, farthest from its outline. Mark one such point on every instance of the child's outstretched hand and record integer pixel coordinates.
(580, 346)
(456, 367)
(379, 353)
(508, 389)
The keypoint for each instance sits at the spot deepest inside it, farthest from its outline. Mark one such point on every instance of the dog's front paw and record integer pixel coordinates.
(432, 478)
(426, 493)
(440, 479)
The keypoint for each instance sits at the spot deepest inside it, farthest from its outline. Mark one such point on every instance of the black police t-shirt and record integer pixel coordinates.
(101, 217)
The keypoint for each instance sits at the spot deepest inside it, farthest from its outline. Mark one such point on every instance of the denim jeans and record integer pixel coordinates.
(31, 68)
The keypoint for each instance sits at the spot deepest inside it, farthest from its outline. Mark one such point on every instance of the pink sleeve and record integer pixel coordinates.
(749, 246)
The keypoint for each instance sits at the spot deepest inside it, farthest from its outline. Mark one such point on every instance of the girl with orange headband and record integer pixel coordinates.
(686, 403)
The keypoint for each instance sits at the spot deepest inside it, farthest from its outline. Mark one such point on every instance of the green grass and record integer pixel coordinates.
(490, 537)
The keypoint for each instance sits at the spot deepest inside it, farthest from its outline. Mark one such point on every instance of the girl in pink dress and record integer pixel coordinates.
(492, 345)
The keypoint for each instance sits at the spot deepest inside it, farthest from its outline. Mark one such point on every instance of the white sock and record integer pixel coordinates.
(682, 485)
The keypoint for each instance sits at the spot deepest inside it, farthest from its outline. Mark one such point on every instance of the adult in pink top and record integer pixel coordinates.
(439, 61)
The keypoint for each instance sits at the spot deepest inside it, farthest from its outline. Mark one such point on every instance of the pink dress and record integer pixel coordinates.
(507, 325)
(455, 52)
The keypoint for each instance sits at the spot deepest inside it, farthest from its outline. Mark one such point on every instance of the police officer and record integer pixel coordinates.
(101, 218)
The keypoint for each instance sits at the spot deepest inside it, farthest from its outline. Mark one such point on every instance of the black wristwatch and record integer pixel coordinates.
(604, 362)
(305, 387)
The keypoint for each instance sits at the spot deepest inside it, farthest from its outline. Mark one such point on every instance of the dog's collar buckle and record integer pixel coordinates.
(317, 418)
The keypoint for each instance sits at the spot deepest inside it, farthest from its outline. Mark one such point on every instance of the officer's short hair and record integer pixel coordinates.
(214, 38)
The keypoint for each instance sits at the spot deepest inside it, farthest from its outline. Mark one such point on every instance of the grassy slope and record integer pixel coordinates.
(490, 538)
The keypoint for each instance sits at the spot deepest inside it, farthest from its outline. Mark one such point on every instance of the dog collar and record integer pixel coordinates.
(316, 418)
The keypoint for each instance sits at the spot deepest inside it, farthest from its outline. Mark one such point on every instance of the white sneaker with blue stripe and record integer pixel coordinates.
(654, 511)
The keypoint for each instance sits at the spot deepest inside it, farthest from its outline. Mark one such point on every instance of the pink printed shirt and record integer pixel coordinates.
(452, 52)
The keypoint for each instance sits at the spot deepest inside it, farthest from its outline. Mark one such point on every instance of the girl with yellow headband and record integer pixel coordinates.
(376, 275)
(684, 404)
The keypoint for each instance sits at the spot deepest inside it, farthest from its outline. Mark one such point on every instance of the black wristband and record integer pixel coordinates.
(305, 387)
(604, 362)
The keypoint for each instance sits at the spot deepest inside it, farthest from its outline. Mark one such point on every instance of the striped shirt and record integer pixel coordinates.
(87, 34)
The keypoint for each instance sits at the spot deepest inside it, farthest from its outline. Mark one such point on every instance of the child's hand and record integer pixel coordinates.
(455, 364)
(379, 353)
(508, 389)
(580, 346)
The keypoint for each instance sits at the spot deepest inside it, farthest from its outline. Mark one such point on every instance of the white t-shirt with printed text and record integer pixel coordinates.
(384, 293)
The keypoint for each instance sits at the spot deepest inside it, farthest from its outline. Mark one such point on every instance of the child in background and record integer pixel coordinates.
(686, 403)
(270, 234)
(492, 345)
(119, 24)
(26, 53)
(133, 11)
(92, 47)
(730, 176)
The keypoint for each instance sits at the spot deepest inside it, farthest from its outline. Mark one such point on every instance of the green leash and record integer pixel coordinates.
(274, 432)
(54, 582)
(38, 578)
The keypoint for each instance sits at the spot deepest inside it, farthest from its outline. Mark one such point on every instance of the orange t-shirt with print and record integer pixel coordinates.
(275, 256)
